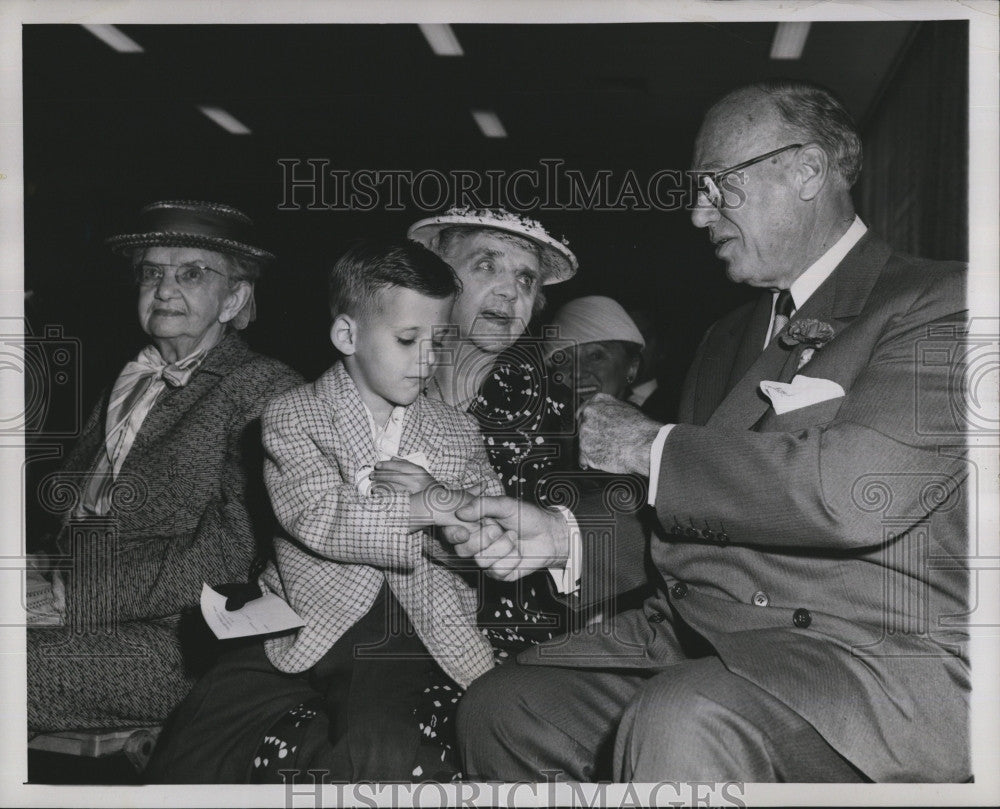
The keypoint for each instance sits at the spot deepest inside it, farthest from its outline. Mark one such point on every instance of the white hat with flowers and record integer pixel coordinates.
(558, 261)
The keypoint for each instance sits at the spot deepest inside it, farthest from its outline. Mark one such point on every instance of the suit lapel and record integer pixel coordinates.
(750, 339)
(348, 417)
(413, 430)
(744, 404)
(724, 358)
(838, 300)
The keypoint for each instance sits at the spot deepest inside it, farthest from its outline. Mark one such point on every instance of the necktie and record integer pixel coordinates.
(783, 309)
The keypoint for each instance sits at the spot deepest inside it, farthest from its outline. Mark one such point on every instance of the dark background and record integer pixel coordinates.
(105, 133)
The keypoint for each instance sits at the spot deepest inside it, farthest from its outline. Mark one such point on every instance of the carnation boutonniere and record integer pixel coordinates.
(808, 332)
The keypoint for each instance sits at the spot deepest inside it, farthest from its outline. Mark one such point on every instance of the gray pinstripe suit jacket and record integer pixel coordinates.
(822, 552)
(340, 546)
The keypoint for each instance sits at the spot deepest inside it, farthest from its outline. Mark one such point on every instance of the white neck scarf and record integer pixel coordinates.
(135, 392)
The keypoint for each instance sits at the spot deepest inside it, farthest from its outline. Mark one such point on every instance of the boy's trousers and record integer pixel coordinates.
(350, 716)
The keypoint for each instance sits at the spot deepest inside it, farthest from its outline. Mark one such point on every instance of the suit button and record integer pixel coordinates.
(677, 528)
(722, 537)
(760, 599)
(657, 618)
(691, 531)
(801, 618)
(679, 590)
(707, 533)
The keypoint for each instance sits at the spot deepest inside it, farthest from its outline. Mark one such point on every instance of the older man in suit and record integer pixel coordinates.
(810, 525)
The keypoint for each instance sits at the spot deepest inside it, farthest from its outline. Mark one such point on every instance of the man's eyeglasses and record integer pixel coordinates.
(710, 184)
(187, 276)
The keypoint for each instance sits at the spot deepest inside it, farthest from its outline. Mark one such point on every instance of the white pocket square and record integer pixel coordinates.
(802, 391)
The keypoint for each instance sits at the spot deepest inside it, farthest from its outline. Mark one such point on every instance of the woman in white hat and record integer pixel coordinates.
(497, 373)
(594, 347)
(493, 370)
(162, 491)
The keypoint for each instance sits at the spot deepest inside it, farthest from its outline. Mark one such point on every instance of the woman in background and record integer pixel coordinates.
(595, 348)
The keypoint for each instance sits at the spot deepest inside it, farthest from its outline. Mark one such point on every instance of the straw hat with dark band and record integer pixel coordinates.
(558, 261)
(186, 223)
(209, 225)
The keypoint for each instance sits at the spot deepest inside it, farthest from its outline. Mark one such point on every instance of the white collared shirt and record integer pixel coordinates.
(386, 439)
(388, 436)
(806, 284)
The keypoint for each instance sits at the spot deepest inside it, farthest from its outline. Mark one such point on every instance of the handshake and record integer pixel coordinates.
(506, 538)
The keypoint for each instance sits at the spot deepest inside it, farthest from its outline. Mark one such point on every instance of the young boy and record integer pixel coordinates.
(382, 609)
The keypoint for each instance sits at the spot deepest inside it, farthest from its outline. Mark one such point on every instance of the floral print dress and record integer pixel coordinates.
(527, 429)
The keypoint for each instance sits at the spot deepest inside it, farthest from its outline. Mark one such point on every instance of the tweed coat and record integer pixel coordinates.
(187, 510)
(822, 552)
(339, 546)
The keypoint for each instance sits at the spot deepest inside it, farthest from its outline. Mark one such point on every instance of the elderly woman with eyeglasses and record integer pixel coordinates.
(162, 490)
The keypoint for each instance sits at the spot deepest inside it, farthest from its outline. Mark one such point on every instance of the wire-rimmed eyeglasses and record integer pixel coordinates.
(191, 275)
(710, 183)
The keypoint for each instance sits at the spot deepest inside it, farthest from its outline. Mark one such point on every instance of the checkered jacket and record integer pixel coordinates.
(339, 546)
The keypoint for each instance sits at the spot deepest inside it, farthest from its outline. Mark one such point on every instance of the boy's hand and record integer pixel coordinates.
(477, 542)
(493, 548)
(402, 476)
(539, 537)
(436, 505)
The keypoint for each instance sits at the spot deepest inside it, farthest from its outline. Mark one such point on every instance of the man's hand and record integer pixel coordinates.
(525, 538)
(486, 543)
(615, 436)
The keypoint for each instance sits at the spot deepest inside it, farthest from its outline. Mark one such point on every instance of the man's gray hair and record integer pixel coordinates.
(818, 116)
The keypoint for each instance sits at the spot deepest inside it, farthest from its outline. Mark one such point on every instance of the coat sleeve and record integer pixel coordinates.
(47, 537)
(313, 502)
(614, 550)
(813, 487)
(477, 477)
(162, 575)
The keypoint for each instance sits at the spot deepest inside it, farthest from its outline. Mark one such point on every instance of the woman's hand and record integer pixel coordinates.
(402, 476)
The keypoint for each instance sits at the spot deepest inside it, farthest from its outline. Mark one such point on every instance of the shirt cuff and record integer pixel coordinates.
(567, 577)
(655, 454)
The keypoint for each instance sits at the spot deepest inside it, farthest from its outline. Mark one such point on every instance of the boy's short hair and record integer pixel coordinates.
(372, 265)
